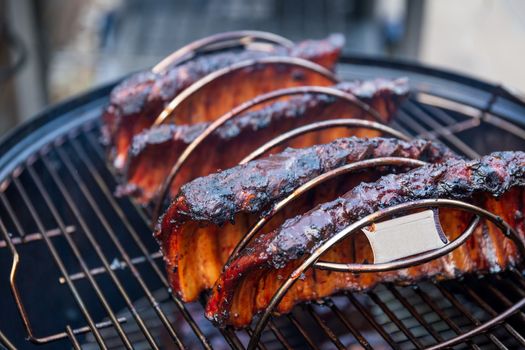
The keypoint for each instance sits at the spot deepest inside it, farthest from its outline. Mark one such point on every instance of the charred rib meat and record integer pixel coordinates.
(155, 150)
(135, 103)
(494, 182)
(212, 213)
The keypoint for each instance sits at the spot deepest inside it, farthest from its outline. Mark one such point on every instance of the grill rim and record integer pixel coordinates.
(22, 137)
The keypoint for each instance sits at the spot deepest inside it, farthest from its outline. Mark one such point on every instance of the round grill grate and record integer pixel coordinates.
(59, 219)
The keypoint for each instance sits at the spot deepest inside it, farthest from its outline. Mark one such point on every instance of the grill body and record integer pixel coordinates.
(87, 272)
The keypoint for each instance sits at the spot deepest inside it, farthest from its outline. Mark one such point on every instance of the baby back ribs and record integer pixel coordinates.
(155, 150)
(136, 102)
(212, 213)
(495, 182)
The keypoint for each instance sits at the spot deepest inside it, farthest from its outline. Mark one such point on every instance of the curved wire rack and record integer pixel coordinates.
(56, 202)
(218, 42)
(312, 259)
(296, 62)
(273, 95)
(322, 125)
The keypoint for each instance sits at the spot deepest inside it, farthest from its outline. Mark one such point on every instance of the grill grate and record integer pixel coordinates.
(95, 265)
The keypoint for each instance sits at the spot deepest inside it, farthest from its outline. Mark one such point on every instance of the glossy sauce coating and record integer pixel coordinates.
(494, 182)
(155, 150)
(212, 213)
(136, 102)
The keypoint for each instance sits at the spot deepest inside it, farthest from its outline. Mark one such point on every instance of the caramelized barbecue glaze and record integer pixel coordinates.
(155, 150)
(136, 103)
(494, 182)
(212, 213)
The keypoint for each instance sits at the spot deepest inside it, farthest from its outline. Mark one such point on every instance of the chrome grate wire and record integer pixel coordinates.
(57, 209)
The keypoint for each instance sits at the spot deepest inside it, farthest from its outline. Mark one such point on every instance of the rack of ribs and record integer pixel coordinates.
(494, 183)
(155, 150)
(212, 213)
(136, 102)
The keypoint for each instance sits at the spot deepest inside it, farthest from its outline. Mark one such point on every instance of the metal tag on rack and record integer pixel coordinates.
(405, 236)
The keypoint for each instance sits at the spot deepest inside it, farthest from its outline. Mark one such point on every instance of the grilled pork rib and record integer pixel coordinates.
(494, 182)
(136, 103)
(155, 150)
(212, 213)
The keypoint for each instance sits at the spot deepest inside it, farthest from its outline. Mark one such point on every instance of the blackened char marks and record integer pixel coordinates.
(253, 186)
(277, 252)
(212, 213)
(136, 102)
(155, 150)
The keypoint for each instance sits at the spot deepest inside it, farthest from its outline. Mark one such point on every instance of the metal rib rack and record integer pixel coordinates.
(87, 273)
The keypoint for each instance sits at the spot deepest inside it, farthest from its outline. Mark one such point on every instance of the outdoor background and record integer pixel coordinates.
(53, 49)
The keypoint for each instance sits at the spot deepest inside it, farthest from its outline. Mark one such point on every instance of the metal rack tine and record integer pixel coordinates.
(303, 189)
(191, 90)
(219, 41)
(511, 330)
(437, 129)
(164, 189)
(482, 328)
(260, 345)
(325, 124)
(21, 232)
(312, 259)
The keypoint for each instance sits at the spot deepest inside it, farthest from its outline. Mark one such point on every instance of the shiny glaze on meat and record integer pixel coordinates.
(155, 150)
(212, 213)
(136, 102)
(495, 182)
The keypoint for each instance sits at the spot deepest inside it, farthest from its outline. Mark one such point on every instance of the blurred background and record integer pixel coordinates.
(53, 49)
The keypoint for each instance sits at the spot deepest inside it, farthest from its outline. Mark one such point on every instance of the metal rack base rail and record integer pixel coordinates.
(312, 261)
(60, 150)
